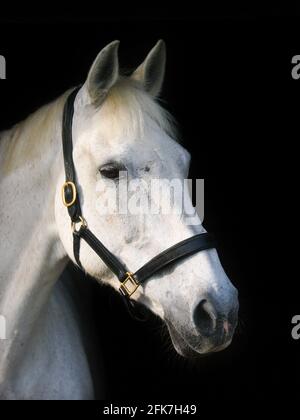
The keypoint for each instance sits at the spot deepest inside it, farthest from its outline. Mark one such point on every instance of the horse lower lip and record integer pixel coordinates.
(213, 347)
(204, 346)
(222, 346)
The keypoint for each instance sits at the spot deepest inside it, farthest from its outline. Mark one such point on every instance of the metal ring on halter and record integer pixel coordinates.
(82, 223)
(74, 193)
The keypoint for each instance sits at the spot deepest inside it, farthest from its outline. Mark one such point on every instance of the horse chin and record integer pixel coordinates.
(184, 349)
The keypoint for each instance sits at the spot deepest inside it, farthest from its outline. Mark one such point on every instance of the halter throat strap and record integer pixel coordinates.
(129, 282)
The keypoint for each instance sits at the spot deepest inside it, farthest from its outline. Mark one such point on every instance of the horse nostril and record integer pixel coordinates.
(205, 318)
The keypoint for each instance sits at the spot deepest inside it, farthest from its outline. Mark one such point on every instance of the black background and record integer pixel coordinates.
(228, 83)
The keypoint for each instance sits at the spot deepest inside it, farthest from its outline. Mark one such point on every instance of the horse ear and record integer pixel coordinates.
(151, 72)
(104, 72)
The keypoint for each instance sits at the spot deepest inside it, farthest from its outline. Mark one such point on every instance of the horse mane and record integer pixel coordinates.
(26, 140)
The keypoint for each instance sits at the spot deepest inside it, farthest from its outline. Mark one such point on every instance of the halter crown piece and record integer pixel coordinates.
(129, 282)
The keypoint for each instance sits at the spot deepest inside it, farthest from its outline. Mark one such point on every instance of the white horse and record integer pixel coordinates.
(117, 125)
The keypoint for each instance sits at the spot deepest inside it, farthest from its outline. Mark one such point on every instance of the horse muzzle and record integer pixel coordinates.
(209, 331)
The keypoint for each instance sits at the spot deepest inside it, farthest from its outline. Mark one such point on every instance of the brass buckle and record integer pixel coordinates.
(129, 285)
(82, 223)
(74, 193)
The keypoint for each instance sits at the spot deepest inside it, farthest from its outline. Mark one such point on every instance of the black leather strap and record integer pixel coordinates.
(175, 253)
(106, 256)
(74, 210)
(76, 248)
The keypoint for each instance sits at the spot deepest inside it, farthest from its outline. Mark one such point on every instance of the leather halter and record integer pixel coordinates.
(129, 282)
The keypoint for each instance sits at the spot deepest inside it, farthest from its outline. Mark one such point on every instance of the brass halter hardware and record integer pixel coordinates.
(129, 285)
(74, 193)
(82, 222)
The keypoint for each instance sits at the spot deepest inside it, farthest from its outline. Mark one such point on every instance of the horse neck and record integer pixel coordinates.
(32, 256)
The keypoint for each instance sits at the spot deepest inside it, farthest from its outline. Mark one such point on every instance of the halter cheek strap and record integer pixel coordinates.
(129, 282)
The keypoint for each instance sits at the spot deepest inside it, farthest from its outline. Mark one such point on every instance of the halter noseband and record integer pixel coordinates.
(129, 282)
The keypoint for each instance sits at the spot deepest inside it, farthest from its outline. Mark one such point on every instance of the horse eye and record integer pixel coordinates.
(112, 170)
